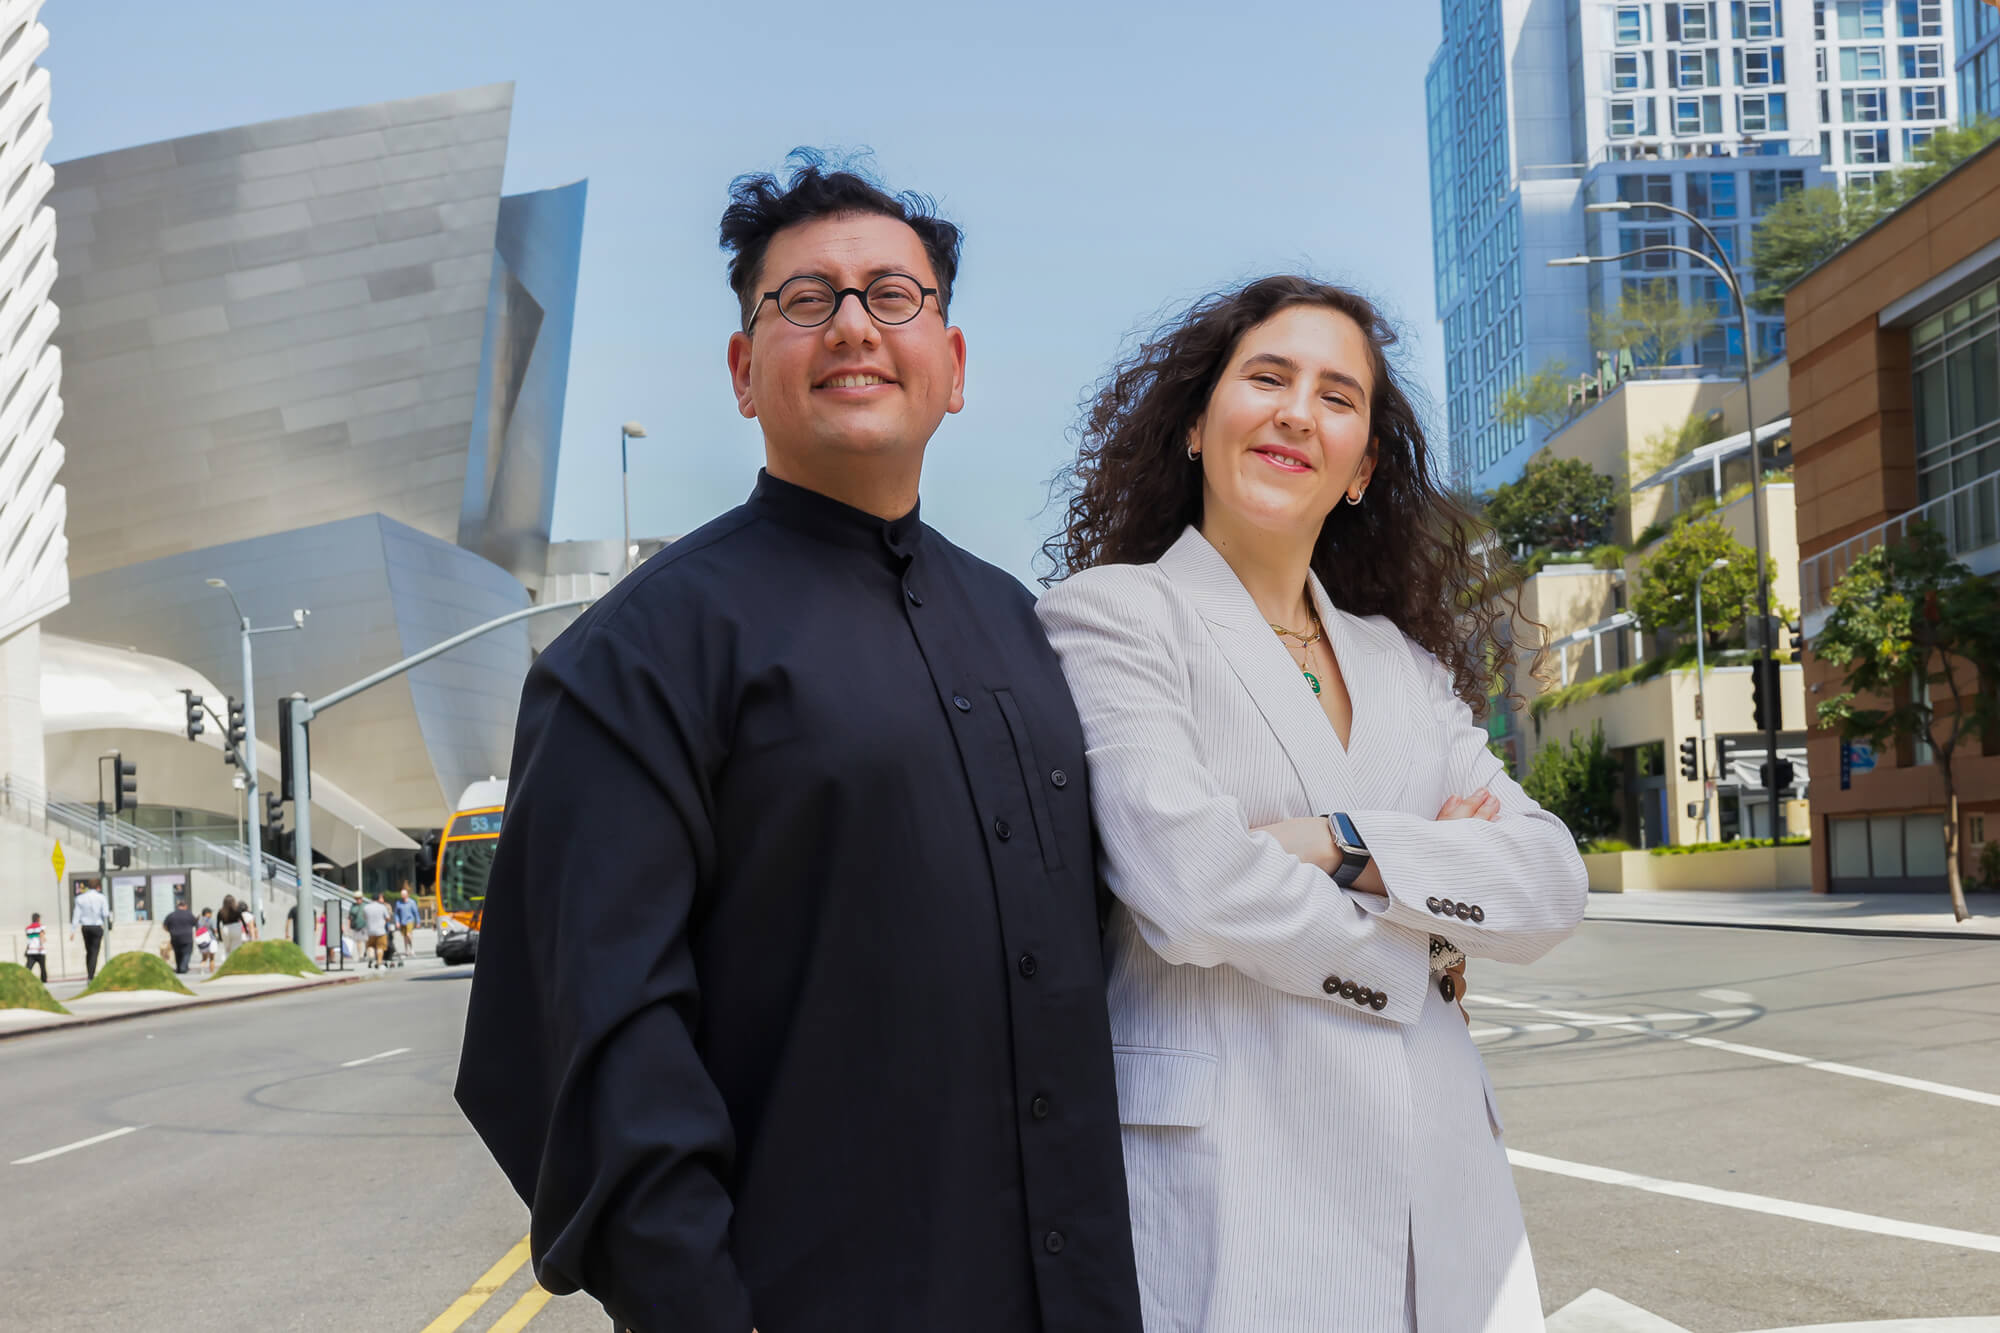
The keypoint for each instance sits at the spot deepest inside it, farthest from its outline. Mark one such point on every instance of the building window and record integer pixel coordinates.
(1633, 117)
(1709, 287)
(1915, 138)
(1919, 18)
(1924, 103)
(1922, 62)
(1863, 105)
(1712, 194)
(1631, 69)
(1768, 187)
(1867, 847)
(1634, 24)
(1638, 238)
(1955, 370)
(1758, 66)
(1649, 189)
(1859, 18)
(1725, 237)
(1819, 63)
(1697, 69)
(1762, 113)
(1691, 22)
(1698, 115)
(1867, 147)
(1757, 21)
(1860, 62)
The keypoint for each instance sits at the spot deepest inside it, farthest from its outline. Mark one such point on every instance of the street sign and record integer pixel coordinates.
(57, 861)
(1862, 759)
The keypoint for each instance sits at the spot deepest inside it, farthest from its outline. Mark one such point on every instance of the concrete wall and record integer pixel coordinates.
(1746, 869)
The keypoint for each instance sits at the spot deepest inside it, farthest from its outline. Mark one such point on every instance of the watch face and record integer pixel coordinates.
(1349, 835)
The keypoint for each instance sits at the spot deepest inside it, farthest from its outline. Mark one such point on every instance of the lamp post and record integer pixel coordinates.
(1756, 463)
(252, 835)
(1701, 695)
(631, 430)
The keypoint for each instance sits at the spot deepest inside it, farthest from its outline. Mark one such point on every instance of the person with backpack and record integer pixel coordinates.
(38, 957)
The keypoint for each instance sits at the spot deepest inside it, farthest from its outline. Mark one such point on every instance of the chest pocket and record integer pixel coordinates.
(1031, 780)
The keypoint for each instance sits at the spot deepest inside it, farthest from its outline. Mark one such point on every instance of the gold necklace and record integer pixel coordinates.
(1306, 641)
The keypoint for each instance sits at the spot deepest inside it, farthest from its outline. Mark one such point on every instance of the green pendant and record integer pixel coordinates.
(1312, 680)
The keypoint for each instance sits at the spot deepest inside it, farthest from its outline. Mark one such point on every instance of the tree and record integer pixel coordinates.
(1905, 612)
(1669, 443)
(1577, 782)
(1543, 397)
(1807, 227)
(1559, 503)
(1653, 323)
(1665, 598)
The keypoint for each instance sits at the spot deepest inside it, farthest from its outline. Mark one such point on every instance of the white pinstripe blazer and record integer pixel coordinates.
(1300, 1161)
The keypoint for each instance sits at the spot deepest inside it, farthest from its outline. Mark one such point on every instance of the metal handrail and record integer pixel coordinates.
(1968, 516)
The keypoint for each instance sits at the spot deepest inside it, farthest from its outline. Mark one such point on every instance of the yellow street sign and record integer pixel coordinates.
(57, 861)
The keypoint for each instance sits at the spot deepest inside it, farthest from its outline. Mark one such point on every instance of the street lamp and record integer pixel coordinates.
(1701, 694)
(631, 430)
(1750, 418)
(252, 835)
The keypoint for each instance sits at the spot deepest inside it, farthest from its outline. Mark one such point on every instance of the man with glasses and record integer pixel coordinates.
(789, 1008)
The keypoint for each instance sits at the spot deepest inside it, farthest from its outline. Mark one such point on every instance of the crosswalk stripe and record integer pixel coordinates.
(477, 1295)
(1758, 1203)
(72, 1147)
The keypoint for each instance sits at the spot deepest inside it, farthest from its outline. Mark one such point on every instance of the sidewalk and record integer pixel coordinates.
(1927, 914)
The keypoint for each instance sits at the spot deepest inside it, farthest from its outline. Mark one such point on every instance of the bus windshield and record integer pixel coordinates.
(465, 862)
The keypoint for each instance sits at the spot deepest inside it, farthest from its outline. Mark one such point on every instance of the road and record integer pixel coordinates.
(297, 1162)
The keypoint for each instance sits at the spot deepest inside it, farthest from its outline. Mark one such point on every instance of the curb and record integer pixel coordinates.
(1879, 932)
(68, 1024)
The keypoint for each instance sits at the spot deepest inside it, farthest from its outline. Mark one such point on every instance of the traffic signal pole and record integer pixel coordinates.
(296, 744)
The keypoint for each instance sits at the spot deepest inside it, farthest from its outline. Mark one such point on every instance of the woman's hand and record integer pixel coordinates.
(1482, 804)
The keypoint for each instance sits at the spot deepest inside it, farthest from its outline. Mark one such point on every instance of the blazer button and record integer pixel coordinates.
(1463, 912)
(1444, 907)
(1053, 1242)
(1364, 997)
(1431, 903)
(961, 703)
(1039, 1108)
(1478, 913)
(1447, 988)
(1331, 985)
(1002, 829)
(1378, 1002)
(1348, 989)
(911, 593)
(1059, 778)
(1028, 965)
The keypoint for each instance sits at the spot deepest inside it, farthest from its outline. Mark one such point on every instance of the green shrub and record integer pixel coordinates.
(1989, 865)
(22, 989)
(1596, 845)
(1736, 845)
(137, 970)
(1608, 556)
(268, 958)
(1577, 782)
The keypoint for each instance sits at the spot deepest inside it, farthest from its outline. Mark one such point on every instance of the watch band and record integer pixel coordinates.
(1353, 851)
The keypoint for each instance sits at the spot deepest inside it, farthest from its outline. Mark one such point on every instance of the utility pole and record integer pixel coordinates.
(253, 837)
(296, 714)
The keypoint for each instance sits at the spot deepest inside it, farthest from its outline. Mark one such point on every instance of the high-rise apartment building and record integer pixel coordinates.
(1978, 63)
(1720, 107)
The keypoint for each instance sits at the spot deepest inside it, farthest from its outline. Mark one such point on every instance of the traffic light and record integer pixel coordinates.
(194, 725)
(274, 809)
(237, 733)
(1798, 642)
(1766, 706)
(1690, 759)
(1722, 758)
(1784, 775)
(125, 795)
(285, 745)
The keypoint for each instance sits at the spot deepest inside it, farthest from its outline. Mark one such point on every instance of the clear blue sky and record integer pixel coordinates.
(1107, 161)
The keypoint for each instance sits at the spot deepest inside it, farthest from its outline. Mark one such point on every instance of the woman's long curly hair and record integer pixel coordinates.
(1409, 551)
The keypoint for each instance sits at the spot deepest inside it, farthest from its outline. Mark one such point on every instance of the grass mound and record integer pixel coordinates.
(137, 970)
(268, 958)
(22, 989)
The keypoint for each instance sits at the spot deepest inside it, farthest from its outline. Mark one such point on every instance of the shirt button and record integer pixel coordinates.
(961, 703)
(1028, 965)
(911, 593)
(1053, 1242)
(1002, 829)
(1039, 1108)
(1059, 778)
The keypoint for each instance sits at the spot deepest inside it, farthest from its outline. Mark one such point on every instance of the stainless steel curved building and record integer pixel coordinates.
(322, 358)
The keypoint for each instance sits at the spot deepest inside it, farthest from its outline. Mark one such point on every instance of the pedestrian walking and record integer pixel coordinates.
(406, 916)
(790, 1003)
(204, 938)
(38, 957)
(91, 914)
(180, 926)
(375, 925)
(230, 920)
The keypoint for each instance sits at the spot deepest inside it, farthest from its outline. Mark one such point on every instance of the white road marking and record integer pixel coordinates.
(379, 1055)
(1486, 1030)
(1727, 996)
(1640, 1023)
(72, 1147)
(1758, 1203)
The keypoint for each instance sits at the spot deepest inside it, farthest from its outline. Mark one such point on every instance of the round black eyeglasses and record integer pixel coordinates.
(893, 298)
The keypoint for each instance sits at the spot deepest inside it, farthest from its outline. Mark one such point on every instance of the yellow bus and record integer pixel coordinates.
(465, 855)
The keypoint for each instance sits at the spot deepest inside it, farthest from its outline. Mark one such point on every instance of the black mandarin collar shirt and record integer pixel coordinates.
(790, 1003)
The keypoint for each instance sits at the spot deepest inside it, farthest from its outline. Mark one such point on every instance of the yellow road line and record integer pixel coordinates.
(494, 1278)
(531, 1303)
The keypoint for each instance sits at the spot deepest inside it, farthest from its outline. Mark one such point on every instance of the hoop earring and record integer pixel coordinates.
(1355, 499)
(1194, 454)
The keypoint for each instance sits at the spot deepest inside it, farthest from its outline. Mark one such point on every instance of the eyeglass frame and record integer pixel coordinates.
(841, 294)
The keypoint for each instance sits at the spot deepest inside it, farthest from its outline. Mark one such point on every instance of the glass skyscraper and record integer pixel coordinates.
(1978, 61)
(1720, 107)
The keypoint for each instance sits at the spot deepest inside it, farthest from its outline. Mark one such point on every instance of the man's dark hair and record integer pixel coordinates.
(761, 206)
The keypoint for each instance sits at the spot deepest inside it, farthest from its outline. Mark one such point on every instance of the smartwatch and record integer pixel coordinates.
(1353, 851)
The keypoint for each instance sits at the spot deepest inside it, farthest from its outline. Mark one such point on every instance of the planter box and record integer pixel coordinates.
(1744, 870)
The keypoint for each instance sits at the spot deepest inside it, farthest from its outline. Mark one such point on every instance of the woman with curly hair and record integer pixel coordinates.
(1274, 625)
